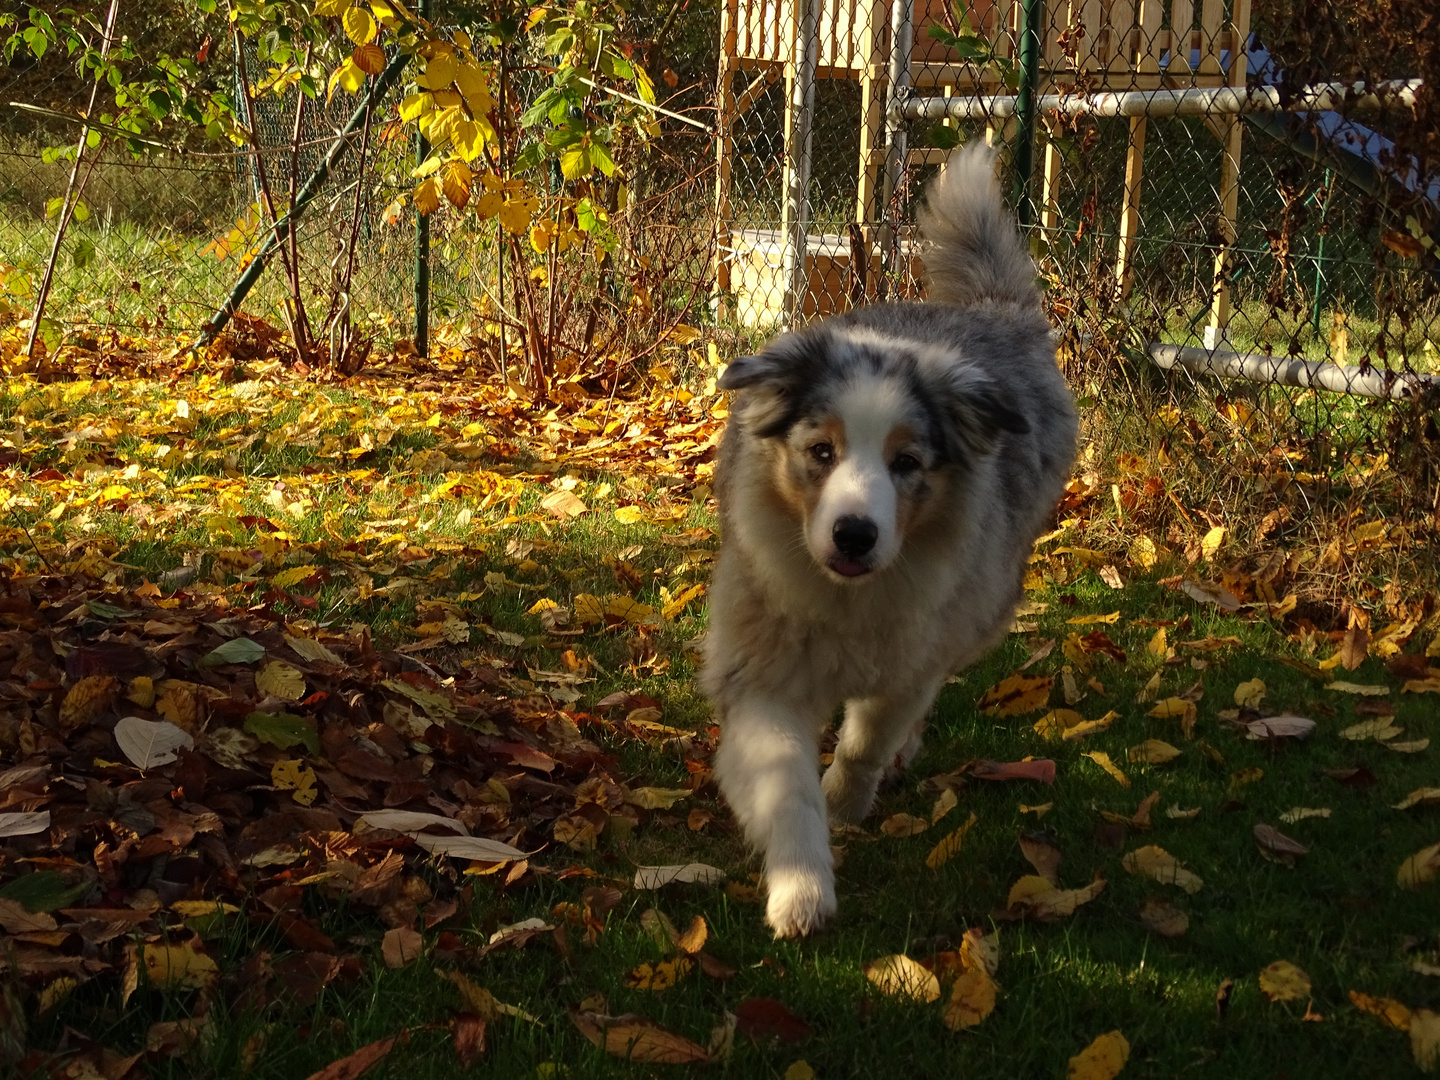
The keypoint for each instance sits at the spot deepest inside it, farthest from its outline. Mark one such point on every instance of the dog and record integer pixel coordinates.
(881, 481)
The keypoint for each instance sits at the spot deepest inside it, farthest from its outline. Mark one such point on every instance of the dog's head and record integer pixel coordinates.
(868, 434)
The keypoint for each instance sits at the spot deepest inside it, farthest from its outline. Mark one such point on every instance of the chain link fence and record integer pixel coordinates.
(1242, 277)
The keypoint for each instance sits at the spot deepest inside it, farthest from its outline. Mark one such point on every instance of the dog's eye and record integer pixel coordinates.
(823, 452)
(905, 463)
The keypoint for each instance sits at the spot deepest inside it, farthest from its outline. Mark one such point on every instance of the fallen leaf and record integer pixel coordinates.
(1101, 1060)
(900, 976)
(563, 504)
(1110, 575)
(659, 976)
(150, 743)
(947, 801)
(1342, 687)
(353, 1065)
(1276, 846)
(1420, 868)
(280, 680)
(1283, 981)
(88, 700)
(1163, 918)
(1300, 813)
(477, 848)
(949, 847)
(1159, 865)
(637, 1039)
(1425, 796)
(654, 798)
(1425, 1038)
(1179, 812)
(15, 919)
(1033, 897)
(1413, 746)
(1176, 708)
(1243, 778)
(1103, 760)
(1056, 722)
(24, 822)
(1211, 594)
(400, 946)
(1153, 752)
(1016, 694)
(405, 821)
(1141, 818)
(1249, 694)
(1389, 1010)
(1379, 730)
(904, 825)
(655, 877)
(980, 950)
(798, 1070)
(1041, 769)
(294, 776)
(1039, 811)
(1041, 852)
(1280, 727)
(972, 999)
(765, 1018)
(177, 967)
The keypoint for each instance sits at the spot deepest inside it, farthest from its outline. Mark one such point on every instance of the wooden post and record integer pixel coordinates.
(724, 152)
(1145, 64)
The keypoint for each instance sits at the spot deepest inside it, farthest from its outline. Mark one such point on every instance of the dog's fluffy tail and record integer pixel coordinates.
(975, 254)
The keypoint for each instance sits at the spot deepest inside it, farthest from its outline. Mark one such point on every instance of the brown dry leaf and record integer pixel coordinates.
(1389, 1010)
(1420, 868)
(1425, 796)
(563, 504)
(1276, 846)
(654, 798)
(1340, 686)
(150, 743)
(1211, 594)
(972, 999)
(1283, 981)
(1243, 778)
(637, 1039)
(655, 877)
(980, 951)
(1141, 817)
(1179, 813)
(1163, 918)
(356, 1064)
(1413, 746)
(900, 976)
(16, 918)
(1280, 727)
(1039, 811)
(400, 946)
(1041, 852)
(24, 822)
(949, 847)
(1110, 575)
(1354, 646)
(904, 825)
(88, 700)
(660, 976)
(1159, 865)
(1103, 760)
(1425, 1038)
(947, 801)
(1090, 727)
(1101, 1060)
(1016, 694)
(694, 937)
(1153, 752)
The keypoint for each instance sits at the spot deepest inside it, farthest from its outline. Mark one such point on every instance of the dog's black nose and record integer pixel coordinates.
(854, 536)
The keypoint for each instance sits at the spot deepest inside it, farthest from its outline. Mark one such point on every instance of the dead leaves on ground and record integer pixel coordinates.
(970, 970)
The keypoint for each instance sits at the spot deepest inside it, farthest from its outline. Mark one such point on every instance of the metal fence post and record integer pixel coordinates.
(1034, 11)
(422, 243)
(902, 36)
(800, 112)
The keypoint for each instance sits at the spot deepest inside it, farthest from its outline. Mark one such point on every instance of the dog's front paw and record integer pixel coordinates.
(801, 901)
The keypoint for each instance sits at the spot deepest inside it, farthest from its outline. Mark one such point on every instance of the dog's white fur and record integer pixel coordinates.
(948, 430)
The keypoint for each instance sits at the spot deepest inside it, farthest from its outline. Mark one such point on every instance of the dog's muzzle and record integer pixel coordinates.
(854, 538)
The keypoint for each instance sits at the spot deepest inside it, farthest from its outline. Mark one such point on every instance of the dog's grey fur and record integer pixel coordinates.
(947, 426)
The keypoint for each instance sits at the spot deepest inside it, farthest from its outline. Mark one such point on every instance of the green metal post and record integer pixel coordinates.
(1030, 32)
(422, 244)
(303, 199)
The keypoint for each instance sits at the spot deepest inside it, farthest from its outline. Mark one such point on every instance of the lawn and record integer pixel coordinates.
(509, 599)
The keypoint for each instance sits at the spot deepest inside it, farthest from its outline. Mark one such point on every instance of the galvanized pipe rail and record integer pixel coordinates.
(1292, 371)
(1216, 101)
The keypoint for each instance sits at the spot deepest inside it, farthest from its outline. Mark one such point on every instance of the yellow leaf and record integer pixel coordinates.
(1159, 865)
(1343, 687)
(904, 825)
(1175, 707)
(1016, 694)
(1211, 542)
(369, 59)
(564, 504)
(455, 182)
(972, 999)
(659, 976)
(1301, 813)
(1283, 981)
(899, 976)
(542, 234)
(1055, 723)
(296, 777)
(1038, 897)
(281, 680)
(287, 579)
(1039, 811)
(1101, 1060)
(439, 72)
(1153, 752)
(427, 196)
(416, 106)
(1088, 620)
(949, 847)
(799, 1070)
(589, 609)
(515, 214)
(629, 515)
(1379, 729)
(1248, 694)
(1425, 796)
(347, 76)
(1090, 727)
(332, 8)
(1103, 760)
(468, 138)
(1391, 1011)
(1420, 868)
(1143, 553)
(676, 605)
(359, 26)
(654, 798)
(1158, 645)
(947, 801)
(178, 967)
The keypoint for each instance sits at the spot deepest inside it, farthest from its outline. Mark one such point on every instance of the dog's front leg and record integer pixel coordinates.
(768, 767)
(875, 730)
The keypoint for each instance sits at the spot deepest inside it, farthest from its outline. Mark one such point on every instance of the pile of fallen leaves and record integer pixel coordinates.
(179, 762)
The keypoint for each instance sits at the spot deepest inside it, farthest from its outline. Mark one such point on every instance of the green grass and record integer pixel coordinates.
(1339, 914)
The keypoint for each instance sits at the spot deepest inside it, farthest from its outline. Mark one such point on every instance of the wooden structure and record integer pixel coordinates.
(783, 274)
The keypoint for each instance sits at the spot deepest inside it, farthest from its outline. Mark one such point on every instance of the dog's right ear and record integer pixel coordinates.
(746, 371)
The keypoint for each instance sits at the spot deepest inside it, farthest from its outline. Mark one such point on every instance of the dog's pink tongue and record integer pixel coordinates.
(849, 567)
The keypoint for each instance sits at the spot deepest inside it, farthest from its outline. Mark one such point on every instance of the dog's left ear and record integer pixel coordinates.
(979, 413)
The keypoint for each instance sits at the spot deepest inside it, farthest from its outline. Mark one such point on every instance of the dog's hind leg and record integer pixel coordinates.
(875, 730)
(768, 768)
